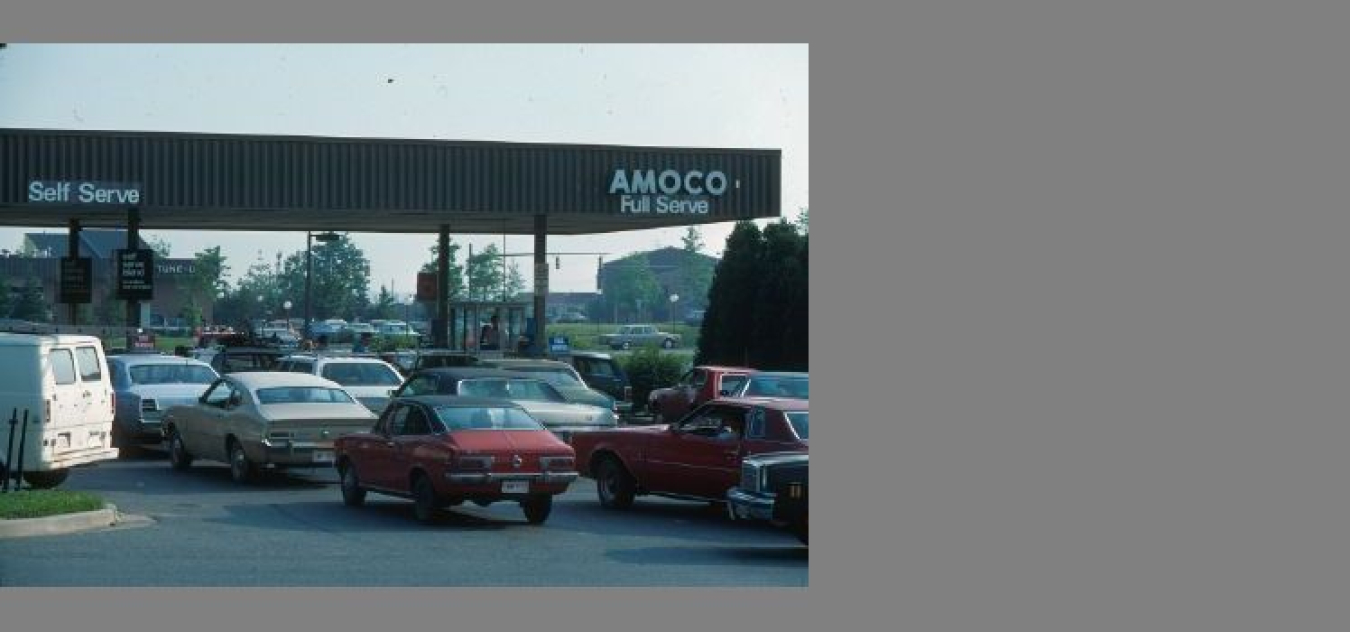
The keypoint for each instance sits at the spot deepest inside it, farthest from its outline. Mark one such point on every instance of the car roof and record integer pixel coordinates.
(781, 374)
(509, 362)
(465, 373)
(458, 401)
(723, 368)
(265, 379)
(591, 354)
(334, 358)
(776, 403)
(133, 359)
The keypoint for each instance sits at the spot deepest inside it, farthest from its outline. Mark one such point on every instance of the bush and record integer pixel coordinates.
(649, 369)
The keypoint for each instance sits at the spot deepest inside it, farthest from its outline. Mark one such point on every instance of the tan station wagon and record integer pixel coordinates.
(253, 420)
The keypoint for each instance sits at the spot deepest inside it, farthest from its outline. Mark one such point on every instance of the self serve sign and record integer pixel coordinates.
(84, 192)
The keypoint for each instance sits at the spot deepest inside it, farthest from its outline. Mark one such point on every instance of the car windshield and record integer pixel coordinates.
(171, 374)
(505, 388)
(800, 423)
(788, 387)
(360, 374)
(485, 418)
(303, 395)
(733, 383)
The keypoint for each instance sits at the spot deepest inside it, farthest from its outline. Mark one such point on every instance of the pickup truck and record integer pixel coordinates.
(696, 458)
(699, 384)
(629, 336)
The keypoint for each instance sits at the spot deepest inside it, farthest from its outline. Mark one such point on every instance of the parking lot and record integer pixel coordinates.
(200, 529)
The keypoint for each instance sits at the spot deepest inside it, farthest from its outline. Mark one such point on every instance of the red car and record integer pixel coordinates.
(699, 384)
(439, 450)
(697, 457)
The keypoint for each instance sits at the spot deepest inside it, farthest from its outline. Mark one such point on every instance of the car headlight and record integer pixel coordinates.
(751, 477)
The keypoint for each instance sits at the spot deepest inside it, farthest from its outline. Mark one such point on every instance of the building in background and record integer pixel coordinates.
(39, 258)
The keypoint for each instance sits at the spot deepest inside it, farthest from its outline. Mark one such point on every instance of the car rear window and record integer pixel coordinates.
(733, 383)
(527, 390)
(485, 418)
(800, 421)
(303, 395)
(595, 367)
(171, 374)
(90, 368)
(63, 366)
(792, 388)
(361, 374)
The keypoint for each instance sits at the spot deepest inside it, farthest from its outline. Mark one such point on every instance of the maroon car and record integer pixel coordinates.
(699, 384)
(439, 450)
(697, 457)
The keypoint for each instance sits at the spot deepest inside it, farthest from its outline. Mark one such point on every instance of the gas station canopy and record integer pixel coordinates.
(301, 183)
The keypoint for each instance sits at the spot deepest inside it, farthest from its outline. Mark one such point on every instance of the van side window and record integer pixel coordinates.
(63, 366)
(91, 370)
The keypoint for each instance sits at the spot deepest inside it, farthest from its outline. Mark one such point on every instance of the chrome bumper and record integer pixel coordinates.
(743, 505)
(493, 477)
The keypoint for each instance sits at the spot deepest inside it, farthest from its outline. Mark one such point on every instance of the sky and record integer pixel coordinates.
(736, 96)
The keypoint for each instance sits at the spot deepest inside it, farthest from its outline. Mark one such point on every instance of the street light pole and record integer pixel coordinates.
(309, 272)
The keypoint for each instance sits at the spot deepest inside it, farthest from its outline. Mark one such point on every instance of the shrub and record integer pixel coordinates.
(650, 369)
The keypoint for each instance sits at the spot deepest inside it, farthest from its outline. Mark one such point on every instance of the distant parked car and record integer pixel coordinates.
(442, 451)
(235, 359)
(148, 384)
(369, 380)
(561, 375)
(774, 384)
(573, 317)
(264, 419)
(629, 336)
(694, 317)
(697, 457)
(536, 396)
(698, 385)
(602, 372)
(773, 488)
(438, 358)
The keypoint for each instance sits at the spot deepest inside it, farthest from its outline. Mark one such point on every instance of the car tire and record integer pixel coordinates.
(614, 485)
(179, 458)
(537, 508)
(46, 480)
(242, 470)
(667, 344)
(353, 495)
(425, 503)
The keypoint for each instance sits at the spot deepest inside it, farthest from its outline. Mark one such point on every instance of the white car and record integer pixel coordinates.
(369, 380)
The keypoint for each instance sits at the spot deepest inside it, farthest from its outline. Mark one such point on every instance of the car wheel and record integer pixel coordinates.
(353, 495)
(425, 502)
(46, 480)
(179, 457)
(537, 508)
(799, 527)
(667, 344)
(614, 485)
(626, 345)
(242, 470)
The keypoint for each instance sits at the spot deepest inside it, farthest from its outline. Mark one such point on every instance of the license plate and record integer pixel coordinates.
(515, 487)
(323, 456)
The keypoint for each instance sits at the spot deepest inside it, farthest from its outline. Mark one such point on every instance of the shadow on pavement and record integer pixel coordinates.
(713, 555)
(158, 478)
(655, 516)
(385, 516)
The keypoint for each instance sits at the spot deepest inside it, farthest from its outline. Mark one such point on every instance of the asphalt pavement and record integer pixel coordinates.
(293, 530)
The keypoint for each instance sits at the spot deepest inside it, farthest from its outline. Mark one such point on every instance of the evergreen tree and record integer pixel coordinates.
(385, 307)
(779, 277)
(32, 304)
(484, 272)
(726, 327)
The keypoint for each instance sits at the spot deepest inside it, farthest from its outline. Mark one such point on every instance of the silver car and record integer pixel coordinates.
(253, 420)
(147, 385)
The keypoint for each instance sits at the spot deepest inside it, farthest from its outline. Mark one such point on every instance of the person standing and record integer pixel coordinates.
(489, 336)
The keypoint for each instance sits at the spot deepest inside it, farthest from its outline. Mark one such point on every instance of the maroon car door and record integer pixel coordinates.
(376, 465)
(699, 456)
(411, 432)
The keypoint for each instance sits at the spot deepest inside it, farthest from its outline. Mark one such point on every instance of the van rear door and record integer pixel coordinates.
(95, 398)
(67, 394)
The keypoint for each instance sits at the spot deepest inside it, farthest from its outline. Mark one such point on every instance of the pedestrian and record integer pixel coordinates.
(488, 338)
(362, 344)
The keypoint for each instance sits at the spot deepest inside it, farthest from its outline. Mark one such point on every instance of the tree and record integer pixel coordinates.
(32, 304)
(205, 284)
(773, 338)
(6, 298)
(456, 270)
(515, 282)
(484, 272)
(695, 270)
(110, 311)
(725, 332)
(385, 307)
(161, 247)
(340, 283)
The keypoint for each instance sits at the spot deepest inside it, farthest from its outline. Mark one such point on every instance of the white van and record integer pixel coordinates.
(63, 382)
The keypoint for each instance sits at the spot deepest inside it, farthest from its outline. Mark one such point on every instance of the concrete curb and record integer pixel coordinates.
(60, 524)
